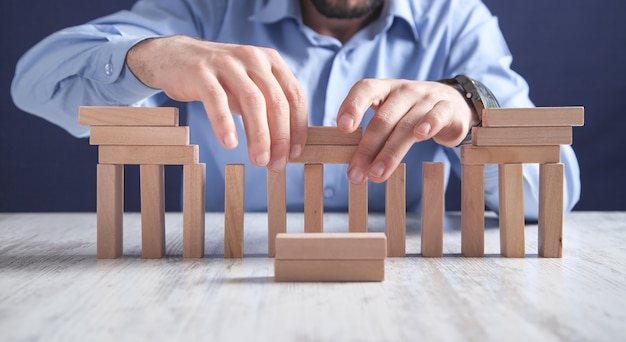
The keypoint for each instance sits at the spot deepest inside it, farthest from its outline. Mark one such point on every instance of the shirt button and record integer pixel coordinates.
(108, 69)
(329, 192)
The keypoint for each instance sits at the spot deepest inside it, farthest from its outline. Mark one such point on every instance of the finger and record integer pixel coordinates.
(395, 148)
(298, 107)
(252, 104)
(215, 101)
(278, 119)
(438, 123)
(378, 131)
(363, 95)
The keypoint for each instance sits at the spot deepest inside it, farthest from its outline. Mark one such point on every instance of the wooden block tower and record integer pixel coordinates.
(152, 138)
(511, 137)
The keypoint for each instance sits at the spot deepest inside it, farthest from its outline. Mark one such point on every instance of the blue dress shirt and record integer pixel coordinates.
(413, 39)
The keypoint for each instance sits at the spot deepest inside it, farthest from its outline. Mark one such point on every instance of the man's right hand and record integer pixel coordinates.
(251, 81)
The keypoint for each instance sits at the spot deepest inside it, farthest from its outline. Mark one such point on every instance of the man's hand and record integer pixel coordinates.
(254, 82)
(405, 112)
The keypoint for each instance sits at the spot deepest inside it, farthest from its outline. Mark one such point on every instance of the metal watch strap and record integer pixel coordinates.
(478, 96)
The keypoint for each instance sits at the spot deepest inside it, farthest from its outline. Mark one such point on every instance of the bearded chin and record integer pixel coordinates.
(338, 9)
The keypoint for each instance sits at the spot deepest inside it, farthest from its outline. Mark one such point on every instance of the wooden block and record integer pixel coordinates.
(532, 136)
(128, 135)
(319, 135)
(540, 116)
(234, 211)
(325, 154)
(313, 198)
(110, 211)
(395, 212)
(480, 155)
(276, 208)
(473, 210)
(194, 206)
(127, 116)
(333, 246)
(551, 204)
(329, 270)
(152, 179)
(166, 155)
(433, 190)
(357, 207)
(511, 214)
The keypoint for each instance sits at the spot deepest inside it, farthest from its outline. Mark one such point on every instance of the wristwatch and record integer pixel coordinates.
(478, 96)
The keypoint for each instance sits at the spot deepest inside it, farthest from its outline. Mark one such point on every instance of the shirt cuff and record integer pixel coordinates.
(116, 82)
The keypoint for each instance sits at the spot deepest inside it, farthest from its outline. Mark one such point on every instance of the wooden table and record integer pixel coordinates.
(53, 288)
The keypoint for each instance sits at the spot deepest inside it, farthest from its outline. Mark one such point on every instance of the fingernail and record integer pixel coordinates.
(423, 130)
(377, 169)
(356, 176)
(262, 159)
(230, 140)
(278, 165)
(346, 122)
(295, 151)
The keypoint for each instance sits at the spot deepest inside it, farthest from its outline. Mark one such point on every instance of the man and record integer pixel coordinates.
(282, 65)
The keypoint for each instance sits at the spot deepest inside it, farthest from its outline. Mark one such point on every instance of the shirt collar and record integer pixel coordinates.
(277, 10)
(403, 10)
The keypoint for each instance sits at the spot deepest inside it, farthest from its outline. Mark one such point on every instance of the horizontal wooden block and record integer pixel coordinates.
(321, 135)
(325, 154)
(166, 155)
(127, 116)
(540, 116)
(529, 136)
(329, 270)
(480, 155)
(129, 135)
(331, 246)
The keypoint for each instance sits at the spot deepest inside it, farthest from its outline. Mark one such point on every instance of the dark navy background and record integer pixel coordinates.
(572, 52)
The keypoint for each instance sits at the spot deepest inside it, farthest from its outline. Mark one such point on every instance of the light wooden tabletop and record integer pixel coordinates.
(53, 288)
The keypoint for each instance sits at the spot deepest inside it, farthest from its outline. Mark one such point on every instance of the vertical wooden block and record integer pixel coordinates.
(551, 210)
(109, 211)
(357, 207)
(473, 210)
(395, 212)
(511, 215)
(233, 211)
(433, 189)
(194, 204)
(276, 209)
(313, 198)
(152, 179)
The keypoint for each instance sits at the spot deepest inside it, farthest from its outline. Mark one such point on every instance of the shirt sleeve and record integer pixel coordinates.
(479, 50)
(85, 65)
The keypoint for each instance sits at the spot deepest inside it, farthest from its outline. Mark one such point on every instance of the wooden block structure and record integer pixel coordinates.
(151, 138)
(336, 257)
(511, 137)
(327, 145)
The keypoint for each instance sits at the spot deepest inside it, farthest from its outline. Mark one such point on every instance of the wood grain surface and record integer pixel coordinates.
(52, 287)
